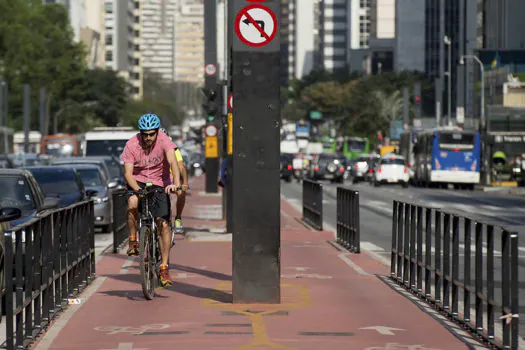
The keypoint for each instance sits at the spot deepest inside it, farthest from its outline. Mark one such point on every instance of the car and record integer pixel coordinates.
(21, 190)
(63, 182)
(391, 169)
(329, 166)
(113, 184)
(6, 162)
(96, 182)
(362, 164)
(116, 170)
(286, 166)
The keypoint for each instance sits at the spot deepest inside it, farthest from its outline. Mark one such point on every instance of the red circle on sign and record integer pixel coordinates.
(230, 101)
(243, 12)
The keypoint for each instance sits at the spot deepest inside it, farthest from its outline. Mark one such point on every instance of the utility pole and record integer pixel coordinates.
(210, 84)
(256, 190)
(27, 116)
(229, 14)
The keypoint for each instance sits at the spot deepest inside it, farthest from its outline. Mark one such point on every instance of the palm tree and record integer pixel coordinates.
(387, 107)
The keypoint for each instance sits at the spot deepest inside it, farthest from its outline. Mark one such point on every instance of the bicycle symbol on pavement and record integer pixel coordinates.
(131, 330)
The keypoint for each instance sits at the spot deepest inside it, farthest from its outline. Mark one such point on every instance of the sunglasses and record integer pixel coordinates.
(148, 134)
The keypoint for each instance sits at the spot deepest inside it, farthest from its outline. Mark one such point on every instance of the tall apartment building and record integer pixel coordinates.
(359, 26)
(123, 33)
(94, 32)
(331, 36)
(297, 59)
(189, 41)
(158, 37)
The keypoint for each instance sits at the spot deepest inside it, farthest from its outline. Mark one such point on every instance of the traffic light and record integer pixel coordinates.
(210, 105)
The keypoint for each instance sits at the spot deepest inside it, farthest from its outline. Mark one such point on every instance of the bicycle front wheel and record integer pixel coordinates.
(147, 262)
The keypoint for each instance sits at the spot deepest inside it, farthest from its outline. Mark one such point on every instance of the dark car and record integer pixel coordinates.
(62, 182)
(329, 166)
(92, 161)
(19, 189)
(97, 188)
(116, 170)
(286, 167)
(362, 166)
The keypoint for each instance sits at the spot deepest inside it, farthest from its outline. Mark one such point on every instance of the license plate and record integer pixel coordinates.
(329, 176)
(392, 180)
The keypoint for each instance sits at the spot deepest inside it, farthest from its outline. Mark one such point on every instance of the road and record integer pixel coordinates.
(376, 216)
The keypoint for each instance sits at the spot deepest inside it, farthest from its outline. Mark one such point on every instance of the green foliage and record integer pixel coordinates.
(358, 105)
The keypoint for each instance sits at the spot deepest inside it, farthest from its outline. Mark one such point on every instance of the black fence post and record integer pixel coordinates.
(348, 224)
(120, 217)
(313, 204)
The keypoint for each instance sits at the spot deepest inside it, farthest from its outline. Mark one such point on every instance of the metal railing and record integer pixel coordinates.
(348, 233)
(120, 217)
(48, 260)
(426, 244)
(313, 203)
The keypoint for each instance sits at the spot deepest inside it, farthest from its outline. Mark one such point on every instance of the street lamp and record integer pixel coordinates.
(448, 42)
(482, 77)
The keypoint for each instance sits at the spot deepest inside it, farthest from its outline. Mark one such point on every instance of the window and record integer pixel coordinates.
(109, 7)
(109, 56)
(109, 39)
(56, 181)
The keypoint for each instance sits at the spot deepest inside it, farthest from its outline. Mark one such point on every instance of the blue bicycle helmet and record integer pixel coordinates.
(149, 121)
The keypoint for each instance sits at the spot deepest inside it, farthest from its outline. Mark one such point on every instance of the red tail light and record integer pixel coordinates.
(341, 170)
(370, 171)
(379, 169)
(405, 170)
(356, 166)
(316, 169)
(289, 167)
(456, 149)
(408, 164)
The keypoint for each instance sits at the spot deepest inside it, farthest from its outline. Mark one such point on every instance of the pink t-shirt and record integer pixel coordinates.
(152, 167)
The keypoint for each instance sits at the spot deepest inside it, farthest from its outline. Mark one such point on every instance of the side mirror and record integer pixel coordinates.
(50, 203)
(112, 184)
(91, 193)
(8, 214)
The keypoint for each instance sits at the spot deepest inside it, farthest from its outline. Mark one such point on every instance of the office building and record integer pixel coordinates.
(76, 12)
(158, 37)
(359, 26)
(331, 34)
(189, 41)
(92, 35)
(502, 22)
(123, 33)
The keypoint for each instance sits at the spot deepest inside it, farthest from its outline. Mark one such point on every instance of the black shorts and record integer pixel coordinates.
(161, 203)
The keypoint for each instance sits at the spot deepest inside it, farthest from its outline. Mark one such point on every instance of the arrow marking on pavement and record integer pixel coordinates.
(126, 346)
(383, 330)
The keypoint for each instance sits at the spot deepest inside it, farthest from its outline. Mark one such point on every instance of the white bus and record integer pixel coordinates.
(103, 141)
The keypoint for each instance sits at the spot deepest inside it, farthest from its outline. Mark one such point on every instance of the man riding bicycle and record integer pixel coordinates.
(148, 158)
(181, 199)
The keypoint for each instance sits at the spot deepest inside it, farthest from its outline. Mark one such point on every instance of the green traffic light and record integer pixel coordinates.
(211, 118)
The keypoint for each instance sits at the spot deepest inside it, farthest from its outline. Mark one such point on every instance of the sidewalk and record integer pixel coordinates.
(330, 299)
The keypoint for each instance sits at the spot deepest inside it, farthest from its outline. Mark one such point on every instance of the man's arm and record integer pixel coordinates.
(128, 175)
(170, 155)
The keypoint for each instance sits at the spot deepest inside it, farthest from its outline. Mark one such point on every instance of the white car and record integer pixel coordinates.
(391, 169)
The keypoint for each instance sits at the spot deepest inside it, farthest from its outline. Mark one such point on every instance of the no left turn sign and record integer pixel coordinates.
(210, 69)
(256, 25)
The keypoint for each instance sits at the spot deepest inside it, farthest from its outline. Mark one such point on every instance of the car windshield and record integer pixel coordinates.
(114, 168)
(105, 147)
(15, 192)
(392, 161)
(90, 177)
(56, 181)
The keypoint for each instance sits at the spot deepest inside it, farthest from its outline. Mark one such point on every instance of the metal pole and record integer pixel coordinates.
(42, 111)
(2, 102)
(27, 111)
(406, 103)
(256, 208)
(449, 68)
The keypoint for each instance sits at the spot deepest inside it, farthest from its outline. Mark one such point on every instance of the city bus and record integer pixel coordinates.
(446, 156)
(351, 146)
(60, 145)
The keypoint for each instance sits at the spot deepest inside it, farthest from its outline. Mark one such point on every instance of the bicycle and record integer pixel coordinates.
(149, 249)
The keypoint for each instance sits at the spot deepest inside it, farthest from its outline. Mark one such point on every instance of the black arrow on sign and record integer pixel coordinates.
(260, 23)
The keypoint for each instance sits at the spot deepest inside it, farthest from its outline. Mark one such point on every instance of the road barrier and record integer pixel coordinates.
(120, 217)
(430, 267)
(313, 203)
(348, 233)
(48, 262)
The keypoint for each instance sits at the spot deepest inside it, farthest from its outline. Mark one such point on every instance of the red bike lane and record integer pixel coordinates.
(330, 299)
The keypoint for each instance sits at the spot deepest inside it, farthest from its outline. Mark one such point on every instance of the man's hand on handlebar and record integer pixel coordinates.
(172, 189)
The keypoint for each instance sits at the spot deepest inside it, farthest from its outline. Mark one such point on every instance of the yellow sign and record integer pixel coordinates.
(230, 133)
(212, 149)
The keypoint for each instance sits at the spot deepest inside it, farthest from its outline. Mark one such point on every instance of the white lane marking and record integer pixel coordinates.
(125, 267)
(357, 268)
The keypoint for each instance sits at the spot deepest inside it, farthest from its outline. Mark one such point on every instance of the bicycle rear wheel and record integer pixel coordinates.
(147, 262)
